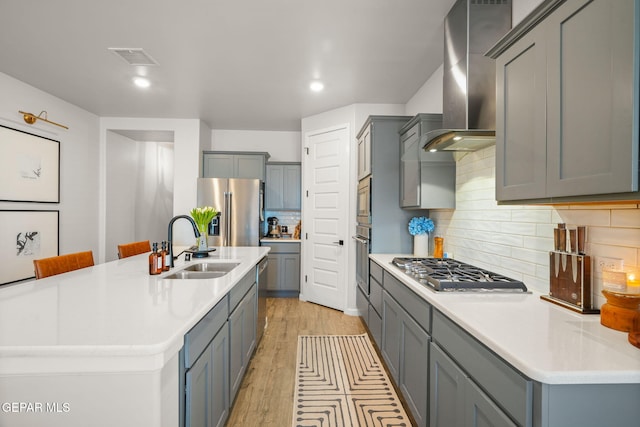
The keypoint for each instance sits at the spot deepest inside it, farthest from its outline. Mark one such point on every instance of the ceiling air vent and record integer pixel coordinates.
(134, 56)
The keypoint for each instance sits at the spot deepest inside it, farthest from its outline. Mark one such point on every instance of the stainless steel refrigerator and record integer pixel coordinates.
(240, 203)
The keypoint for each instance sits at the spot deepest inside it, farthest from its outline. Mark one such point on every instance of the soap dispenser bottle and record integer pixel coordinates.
(155, 261)
(163, 256)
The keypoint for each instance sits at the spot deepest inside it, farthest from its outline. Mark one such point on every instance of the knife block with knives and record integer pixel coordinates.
(570, 272)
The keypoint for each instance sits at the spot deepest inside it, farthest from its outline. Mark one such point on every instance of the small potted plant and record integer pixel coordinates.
(419, 228)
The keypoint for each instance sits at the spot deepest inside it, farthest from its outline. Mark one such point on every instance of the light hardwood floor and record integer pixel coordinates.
(266, 394)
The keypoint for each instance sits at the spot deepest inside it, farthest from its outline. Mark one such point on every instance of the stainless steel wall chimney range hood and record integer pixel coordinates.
(471, 28)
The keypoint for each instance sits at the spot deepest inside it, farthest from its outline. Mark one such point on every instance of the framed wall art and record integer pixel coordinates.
(25, 236)
(29, 167)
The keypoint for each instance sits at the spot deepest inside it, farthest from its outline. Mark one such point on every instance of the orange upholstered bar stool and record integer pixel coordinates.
(134, 248)
(46, 267)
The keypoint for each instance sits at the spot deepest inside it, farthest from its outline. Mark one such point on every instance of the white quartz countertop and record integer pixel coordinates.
(110, 317)
(546, 342)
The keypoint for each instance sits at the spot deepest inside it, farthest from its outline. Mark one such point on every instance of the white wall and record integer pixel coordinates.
(78, 160)
(189, 136)
(281, 146)
(139, 191)
(428, 99)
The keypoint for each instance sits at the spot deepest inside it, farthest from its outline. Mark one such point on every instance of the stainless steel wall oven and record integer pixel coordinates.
(362, 238)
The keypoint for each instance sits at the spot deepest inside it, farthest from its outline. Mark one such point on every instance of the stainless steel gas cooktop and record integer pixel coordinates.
(446, 274)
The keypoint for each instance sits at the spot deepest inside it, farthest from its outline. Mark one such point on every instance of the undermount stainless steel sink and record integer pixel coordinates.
(222, 267)
(204, 270)
(183, 274)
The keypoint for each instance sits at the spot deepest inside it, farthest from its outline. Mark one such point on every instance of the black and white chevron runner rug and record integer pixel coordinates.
(340, 382)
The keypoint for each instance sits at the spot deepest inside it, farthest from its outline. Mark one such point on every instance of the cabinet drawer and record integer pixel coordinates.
(287, 248)
(375, 326)
(375, 271)
(375, 295)
(199, 337)
(512, 391)
(418, 308)
(238, 291)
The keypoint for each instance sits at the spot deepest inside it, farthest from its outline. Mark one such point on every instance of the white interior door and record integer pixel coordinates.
(325, 217)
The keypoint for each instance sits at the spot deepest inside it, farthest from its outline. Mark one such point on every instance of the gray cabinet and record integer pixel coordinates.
(242, 339)
(283, 276)
(370, 303)
(378, 171)
(405, 344)
(392, 316)
(458, 364)
(427, 180)
(567, 111)
(219, 164)
(521, 154)
(364, 153)
(207, 385)
(456, 401)
(206, 370)
(283, 186)
(215, 356)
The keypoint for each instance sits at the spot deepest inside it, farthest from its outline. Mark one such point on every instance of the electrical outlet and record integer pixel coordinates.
(609, 263)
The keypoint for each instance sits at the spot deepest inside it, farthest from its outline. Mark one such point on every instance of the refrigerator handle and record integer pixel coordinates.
(227, 206)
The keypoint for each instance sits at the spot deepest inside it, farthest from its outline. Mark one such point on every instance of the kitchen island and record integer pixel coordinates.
(534, 363)
(101, 346)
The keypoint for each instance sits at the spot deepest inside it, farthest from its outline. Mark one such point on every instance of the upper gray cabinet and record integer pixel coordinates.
(364, 153)
(283, 186)
(219, 164)
(427, 180)
(567, 111)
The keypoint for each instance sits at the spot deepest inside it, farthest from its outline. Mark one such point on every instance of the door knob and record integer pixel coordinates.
(339, 242)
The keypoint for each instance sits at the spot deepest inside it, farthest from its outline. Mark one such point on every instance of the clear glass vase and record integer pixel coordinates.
(202, 241)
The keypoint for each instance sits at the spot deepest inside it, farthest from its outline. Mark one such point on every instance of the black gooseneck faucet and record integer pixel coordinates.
(170, 234)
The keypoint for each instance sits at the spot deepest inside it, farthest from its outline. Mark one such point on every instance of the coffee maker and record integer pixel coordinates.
(274, 228)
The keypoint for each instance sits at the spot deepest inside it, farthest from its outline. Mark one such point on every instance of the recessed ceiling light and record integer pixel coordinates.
(141, 82)
(316, 86)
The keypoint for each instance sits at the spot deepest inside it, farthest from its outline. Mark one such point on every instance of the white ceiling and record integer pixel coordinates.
(235, 64)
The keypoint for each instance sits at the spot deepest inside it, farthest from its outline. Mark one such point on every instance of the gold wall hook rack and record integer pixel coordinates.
(32, 118)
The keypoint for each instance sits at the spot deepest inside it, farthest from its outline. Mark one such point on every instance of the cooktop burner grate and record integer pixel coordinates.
(446, 274)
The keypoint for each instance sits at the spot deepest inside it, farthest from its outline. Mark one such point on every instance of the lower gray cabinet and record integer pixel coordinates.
(362, 304)
(505, 385)
(242, 338)
(206, 370)
(456, 401)
(283, 277)
(481, 411)
(374, 323)
(208, 385)
(391, 331)
(405, 349)
(446, 398)
(414, 372)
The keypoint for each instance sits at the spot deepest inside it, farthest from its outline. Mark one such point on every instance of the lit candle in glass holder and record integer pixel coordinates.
(633, 282)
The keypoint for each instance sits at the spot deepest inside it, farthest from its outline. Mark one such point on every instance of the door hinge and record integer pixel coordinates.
(306, 236)
(307, 193)
(305, 278)
(306, 149)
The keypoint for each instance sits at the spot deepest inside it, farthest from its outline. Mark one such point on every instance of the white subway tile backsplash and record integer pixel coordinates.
(614, 236)
(532, 215)
(589, 217)
(625, 218)
(515, 240)
(544, 244)
(521, 228)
